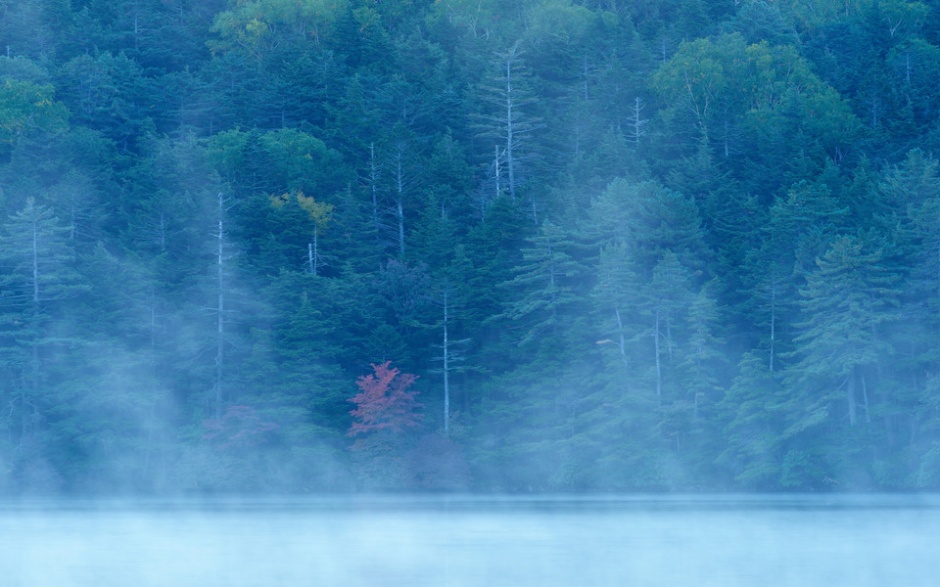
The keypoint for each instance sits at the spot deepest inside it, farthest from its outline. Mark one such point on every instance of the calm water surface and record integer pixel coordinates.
(727, 541)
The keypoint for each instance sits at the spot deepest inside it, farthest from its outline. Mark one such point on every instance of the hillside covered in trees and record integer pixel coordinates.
(540, 245)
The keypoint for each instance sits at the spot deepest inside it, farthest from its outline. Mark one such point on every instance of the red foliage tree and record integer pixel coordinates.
(384, 402)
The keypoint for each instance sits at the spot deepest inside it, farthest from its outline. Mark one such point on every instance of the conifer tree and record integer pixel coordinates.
(616, 297)
(800, 228)
(703, 353)
(753, 419)
(545, 289)
(666, 299)
(848, 300)
(39, 276)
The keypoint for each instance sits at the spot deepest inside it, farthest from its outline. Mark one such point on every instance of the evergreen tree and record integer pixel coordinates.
(753, 417)
(545, 294)
(848, 300)
(39, 277)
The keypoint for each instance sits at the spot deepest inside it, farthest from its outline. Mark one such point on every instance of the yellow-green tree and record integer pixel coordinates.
(319, 214)
(26, 109)
(260, 27)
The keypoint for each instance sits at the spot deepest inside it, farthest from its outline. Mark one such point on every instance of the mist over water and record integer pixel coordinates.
(724, 541)
(334, 247)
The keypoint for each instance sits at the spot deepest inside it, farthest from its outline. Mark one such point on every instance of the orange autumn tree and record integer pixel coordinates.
(384, 401)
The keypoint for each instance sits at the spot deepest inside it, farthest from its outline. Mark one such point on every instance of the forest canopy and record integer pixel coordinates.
(544, 245)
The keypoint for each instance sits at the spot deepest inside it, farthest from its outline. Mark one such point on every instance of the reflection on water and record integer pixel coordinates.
(725, 541)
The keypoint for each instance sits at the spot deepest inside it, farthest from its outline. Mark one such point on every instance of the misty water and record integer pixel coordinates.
(725, 541)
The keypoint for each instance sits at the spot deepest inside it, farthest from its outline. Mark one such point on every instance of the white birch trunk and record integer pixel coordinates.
(623, 340)
(510, 127)
(446, 369)
(220, 332)
(659, 369)
(499, 172)
(313, 253)
(773, 321)
(865, 404)
(374, 185)
(400, 202)
(33, 387)
(850, 396)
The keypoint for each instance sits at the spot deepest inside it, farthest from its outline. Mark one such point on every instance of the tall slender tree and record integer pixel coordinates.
(848, 300)
(39, 276)
(509, 120)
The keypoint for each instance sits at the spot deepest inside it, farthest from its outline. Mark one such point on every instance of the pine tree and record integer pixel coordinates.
(301, 377)
(800, 228)
(847, 301)
(39, 276)
(666, 299)
(616, 297)
(703, 362)
(753, 418)
(545, 289)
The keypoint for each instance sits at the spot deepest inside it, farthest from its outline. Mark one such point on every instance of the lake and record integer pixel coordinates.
(646, 541)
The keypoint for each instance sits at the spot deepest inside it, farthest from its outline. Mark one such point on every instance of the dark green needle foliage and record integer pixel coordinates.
(654, 245)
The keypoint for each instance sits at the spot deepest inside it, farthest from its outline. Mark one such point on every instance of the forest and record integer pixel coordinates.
(469, 245)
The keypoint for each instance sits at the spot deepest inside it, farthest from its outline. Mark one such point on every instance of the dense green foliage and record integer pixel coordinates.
(650, 245)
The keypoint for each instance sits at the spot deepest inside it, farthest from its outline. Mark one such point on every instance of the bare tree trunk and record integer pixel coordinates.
(510, 127)
(313, 253)
(669, 338)
(32, 390)
(623, 340)
(152, 360)
(637, 122)
(773, 320)
(938, 267)
(907, 68)
(446, 368)
(659, 369)
(850, 396)
(220, 334)
(725, 142)
(374, 186)
(865, 404)
(35, 266)
(136, 28)
(400, 201)
(499, 172)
